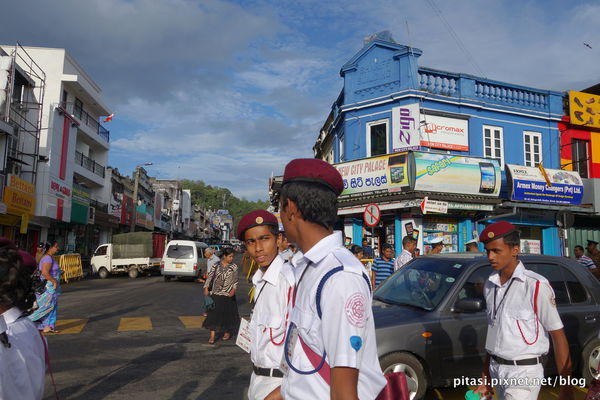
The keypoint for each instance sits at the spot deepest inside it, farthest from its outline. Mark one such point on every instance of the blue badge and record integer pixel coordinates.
(356, 342)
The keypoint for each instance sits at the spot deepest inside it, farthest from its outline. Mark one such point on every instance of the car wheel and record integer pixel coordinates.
(167, 278)
(133, 273)
(412, 368)
(103, 273)
(591, 357)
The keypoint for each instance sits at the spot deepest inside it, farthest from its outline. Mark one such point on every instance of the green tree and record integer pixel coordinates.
(211, 197)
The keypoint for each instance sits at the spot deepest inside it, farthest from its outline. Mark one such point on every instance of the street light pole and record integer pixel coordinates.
(136, 182)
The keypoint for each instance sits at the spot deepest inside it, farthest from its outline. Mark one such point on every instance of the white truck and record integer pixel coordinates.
(131, 253)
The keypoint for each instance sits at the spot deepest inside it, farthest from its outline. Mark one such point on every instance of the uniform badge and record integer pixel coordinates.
(553, 301)
(356, 309)
(491, 234)
(259, 220)
(356, 342)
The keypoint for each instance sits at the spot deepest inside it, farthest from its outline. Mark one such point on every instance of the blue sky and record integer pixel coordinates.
(229, 92)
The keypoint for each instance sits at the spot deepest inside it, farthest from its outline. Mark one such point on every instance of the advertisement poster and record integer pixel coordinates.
(584, 109)
(383, 174)
(456, 174)
(114, 208)
(528, 184)
(529, 246)
(405, 127)
(126, 210)
(445, 133)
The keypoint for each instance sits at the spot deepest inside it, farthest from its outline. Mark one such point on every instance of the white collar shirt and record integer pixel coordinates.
(346, 331)
(402, 259)
(22, 366)
(512, 323)
(273, 291)
(211, 262)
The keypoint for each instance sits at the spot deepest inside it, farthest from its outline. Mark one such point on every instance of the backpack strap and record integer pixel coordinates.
(324, 280)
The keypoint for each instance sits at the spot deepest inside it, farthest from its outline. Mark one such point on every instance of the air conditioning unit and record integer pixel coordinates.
(92, 215)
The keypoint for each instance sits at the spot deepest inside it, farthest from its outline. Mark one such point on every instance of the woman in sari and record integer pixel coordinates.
(48, 301)
(221, 285)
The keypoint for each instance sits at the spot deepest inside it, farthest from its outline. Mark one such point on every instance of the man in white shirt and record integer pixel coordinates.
(330, 350)
(213, 260)
(521, 311)
(273, 282)
(409, 244)
(22, 355)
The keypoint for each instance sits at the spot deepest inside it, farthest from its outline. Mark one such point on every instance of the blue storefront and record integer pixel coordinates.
(390, 105)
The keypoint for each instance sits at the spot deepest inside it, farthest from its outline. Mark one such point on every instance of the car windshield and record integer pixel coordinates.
(423, 283)
(178, 251)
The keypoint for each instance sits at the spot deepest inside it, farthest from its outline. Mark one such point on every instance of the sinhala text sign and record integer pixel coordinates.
(447, 173)
(528, 184)
(383, 174)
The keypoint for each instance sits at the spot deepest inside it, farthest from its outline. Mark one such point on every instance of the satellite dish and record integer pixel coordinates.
(565, 219)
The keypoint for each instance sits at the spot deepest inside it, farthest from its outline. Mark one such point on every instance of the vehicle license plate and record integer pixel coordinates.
(178, 265)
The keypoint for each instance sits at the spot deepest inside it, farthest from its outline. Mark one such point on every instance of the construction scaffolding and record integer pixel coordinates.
(22, 88)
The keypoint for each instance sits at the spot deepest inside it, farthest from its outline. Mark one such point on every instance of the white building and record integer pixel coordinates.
(76, 145)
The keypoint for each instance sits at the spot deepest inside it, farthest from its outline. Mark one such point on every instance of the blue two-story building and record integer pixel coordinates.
(400, 133)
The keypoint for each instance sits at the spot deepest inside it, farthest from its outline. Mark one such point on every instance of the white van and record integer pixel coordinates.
(183, 258)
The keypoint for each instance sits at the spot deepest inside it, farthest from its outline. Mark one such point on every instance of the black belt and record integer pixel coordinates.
(527, 361)
(275, 373)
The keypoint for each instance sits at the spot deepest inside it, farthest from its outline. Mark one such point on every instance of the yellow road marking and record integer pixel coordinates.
(135, 324)
(69, 326)
(192, 322)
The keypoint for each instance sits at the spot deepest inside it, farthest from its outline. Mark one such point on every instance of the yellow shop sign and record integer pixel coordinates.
(18, 202)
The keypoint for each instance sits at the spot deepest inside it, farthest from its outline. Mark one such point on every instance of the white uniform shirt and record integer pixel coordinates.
(211, 262)
(22, 366)
(273, 289)
(402, 259)
(346, 331)
(504, 339)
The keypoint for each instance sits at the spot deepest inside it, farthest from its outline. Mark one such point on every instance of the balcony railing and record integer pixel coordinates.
(88, 120)
(89, 164)
(465, 86)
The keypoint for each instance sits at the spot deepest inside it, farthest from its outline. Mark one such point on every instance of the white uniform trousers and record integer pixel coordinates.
(523, 381)
(262, 386)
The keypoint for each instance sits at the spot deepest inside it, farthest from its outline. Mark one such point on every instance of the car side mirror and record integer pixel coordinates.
(469, 304)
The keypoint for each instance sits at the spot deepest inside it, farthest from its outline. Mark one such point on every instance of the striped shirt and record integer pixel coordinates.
(383, 269)
(586, 262)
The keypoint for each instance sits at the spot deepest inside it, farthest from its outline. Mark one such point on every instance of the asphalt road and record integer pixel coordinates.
(124, 338)
(142, 338)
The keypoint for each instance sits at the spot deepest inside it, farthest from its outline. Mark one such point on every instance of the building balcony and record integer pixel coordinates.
(89, 124)
(89, 171)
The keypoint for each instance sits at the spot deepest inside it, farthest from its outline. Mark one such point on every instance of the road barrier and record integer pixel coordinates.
(70, 266)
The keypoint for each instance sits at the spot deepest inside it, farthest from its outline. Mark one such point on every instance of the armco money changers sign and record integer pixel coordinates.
(528, 184)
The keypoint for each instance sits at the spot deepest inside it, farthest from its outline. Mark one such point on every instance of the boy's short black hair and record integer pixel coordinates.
(386, 246)
(512, 239)
(317, 203)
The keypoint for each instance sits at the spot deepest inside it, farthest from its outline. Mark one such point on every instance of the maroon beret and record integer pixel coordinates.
(496, 231)
(314, 170)
(255, 218)
(6, 242)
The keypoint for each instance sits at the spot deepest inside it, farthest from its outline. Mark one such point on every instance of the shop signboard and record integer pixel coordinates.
(405, 127)
(19, 196)
(115, 206)
(528, 184)
(584, 109)
(447, 173)
(383, 174)
(445, 133)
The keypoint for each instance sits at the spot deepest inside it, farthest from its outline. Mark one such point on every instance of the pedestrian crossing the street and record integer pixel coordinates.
(125, 324)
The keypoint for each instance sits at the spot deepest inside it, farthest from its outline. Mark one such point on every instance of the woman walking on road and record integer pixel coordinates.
(221, 285)
(48, 300)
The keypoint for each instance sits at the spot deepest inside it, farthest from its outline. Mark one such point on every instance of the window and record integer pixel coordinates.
(377, 138)
(493, 146)
(554, 274)
(342, 150)
(101, 251)
(78, 108)
(473, 287)
(177, 251)
(580, 157)
(532, 148)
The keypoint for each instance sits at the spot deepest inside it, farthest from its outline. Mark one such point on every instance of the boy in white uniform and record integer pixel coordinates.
(273, 282)
(521, 313)
(330, 347)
